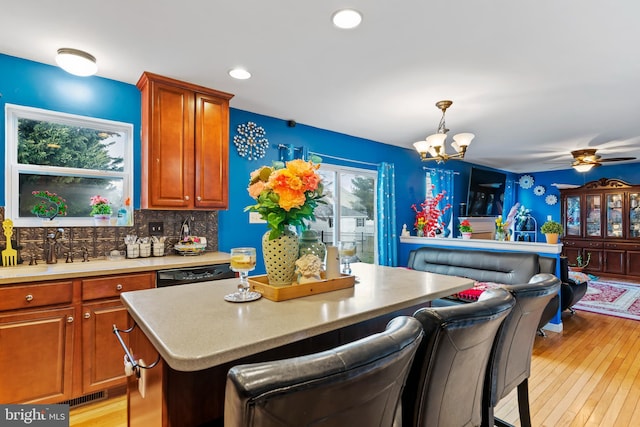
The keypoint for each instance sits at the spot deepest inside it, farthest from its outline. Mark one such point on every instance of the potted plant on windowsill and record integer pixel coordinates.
(50, 207)
(100, 210)
(552, 230)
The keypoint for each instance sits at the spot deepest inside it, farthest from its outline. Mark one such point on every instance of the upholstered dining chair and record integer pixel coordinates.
(444, 386)
(510, 362)
(356, 384)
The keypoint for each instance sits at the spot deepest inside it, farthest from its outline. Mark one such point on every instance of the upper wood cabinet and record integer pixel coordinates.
(185, 145)
(602, 218)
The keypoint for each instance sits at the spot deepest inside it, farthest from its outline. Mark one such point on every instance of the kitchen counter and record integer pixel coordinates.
(99, 267)
(193, 328)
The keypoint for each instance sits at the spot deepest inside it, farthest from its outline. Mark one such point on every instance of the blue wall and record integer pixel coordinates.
(38, 85)
(28, 83)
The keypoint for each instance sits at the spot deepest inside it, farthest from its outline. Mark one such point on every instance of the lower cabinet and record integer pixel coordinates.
(102, 356)
(36, 355)
(56, 339)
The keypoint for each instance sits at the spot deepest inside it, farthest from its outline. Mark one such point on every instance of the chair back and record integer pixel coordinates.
(359, 383)
(510, 361)
(444, 387)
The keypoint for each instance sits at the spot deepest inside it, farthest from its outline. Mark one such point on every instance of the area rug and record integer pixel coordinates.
(612, 298)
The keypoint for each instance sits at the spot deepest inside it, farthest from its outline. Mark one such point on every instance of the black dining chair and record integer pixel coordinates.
(444, 386)
(356, 384)
(510, 363)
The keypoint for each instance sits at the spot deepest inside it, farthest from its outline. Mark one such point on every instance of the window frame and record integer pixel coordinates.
(13, 169)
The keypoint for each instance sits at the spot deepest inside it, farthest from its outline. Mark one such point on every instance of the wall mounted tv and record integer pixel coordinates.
(486, 192)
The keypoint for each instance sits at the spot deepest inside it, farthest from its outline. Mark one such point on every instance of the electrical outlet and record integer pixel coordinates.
(254, 218)
(156, 228)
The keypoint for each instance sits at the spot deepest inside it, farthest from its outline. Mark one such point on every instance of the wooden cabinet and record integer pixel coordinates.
(37, 343)
(102, 357)
(602, 218)
(56, 339)
(185, 145)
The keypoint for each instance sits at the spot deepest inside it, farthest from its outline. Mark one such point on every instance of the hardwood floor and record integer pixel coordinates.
(586, 376)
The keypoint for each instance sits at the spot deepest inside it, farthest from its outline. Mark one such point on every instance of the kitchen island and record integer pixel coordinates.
(197, 336)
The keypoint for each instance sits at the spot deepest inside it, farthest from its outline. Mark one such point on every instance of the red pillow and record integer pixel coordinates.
(474, 293)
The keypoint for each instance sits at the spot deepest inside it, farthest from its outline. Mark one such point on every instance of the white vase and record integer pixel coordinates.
(102, 220)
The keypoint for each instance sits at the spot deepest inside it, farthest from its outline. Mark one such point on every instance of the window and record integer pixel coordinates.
(350, 210)
(73, 156)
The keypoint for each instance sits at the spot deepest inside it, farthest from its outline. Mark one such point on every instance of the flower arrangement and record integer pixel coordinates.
(99, 206)
(50, 207)
(465, 227)
(286, 194)
(502, 226)
(428, 217)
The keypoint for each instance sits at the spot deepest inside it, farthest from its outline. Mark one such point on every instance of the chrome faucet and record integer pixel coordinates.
(51, 246)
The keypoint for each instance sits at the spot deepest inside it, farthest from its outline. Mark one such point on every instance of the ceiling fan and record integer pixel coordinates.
(585, 159)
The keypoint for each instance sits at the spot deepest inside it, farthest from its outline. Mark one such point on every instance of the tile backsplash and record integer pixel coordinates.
(30, 241)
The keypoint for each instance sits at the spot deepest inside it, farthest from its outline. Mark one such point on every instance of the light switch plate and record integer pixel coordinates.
(254, 218)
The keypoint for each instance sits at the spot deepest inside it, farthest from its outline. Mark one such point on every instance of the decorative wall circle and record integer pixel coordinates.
(539, 190)
(251, 141)
(551, 199)
(526, 181)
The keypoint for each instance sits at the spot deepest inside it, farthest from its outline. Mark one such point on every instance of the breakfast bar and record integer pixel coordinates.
(197, 336)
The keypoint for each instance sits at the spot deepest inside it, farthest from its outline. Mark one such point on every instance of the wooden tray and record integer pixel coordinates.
(286, 292)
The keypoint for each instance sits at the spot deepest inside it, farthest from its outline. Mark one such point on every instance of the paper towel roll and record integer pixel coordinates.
(333, 262)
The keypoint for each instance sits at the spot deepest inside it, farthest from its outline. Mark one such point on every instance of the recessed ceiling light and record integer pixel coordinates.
(239, 73)
(346, 18)
(76, 62)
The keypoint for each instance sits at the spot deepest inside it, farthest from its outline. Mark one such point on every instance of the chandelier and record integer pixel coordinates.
(433, 148)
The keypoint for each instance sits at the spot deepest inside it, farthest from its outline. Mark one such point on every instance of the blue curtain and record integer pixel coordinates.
(386, 212)
(442, 180)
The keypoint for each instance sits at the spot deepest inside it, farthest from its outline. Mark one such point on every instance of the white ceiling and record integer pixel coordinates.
(533, 80)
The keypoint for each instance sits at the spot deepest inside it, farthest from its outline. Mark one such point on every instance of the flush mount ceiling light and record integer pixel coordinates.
(433, 148)
(240, 74)
(76, 62)
(346, 19)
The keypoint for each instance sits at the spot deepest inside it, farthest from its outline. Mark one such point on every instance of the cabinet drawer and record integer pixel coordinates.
(112, 286)
(26, 296)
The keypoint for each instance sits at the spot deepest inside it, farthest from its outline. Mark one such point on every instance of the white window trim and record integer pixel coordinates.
(13, 169)
(364, 172)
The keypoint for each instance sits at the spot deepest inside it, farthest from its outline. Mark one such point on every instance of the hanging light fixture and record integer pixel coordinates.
(433, 148)
(76, 62)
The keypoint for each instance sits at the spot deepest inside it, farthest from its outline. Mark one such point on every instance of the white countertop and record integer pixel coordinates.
(194, 328)
(98, 267)
(535, 247)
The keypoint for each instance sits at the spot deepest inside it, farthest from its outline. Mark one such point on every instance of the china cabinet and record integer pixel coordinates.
(185, 145)
(603, 218)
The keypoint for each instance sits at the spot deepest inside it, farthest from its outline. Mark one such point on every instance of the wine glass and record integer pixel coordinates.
(243, 260)
(347, 252)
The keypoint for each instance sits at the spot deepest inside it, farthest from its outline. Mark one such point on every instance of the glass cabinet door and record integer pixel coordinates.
(593, 215)
(634, 215)
(614, 215)
(573, 215)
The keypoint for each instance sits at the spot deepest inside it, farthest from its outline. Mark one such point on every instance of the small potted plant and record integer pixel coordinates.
(49, 207)
(552, 230)
(100, 210)
(465, 229)
(581, 263)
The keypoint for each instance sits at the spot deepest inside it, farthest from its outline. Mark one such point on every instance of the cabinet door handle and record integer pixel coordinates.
(186, 197)
(87, 315)
(29, 298)
(118, 287)
(199, 198)
(70, 319)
